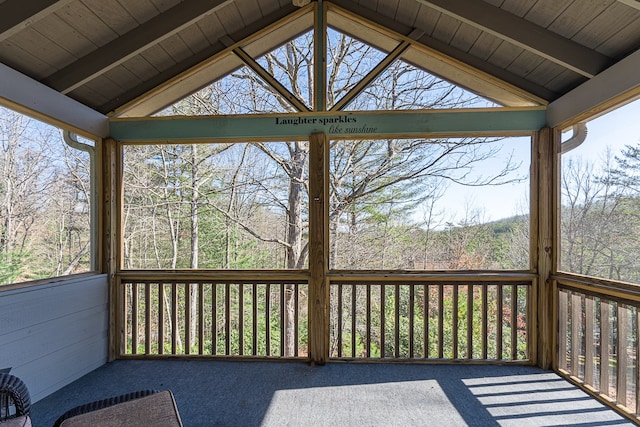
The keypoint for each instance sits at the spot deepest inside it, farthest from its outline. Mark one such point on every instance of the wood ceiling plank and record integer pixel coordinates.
(19, 59)
(388, 8)
(543, 13)
(212, 28)
(577, 15)
(634, 4)
(140, 10)
(446, 28)
(606, 25)
(465, 37)
(623, 42)
(16, 15)
(230, 18)
(113, 14)
(158, 57)
(54, 28)
(130, 44)
(407, 12)
(249, 11)
(41, 47)
(524, 34)
(194, 38)
(176, 48)
(426, 19)
(80, 18)
(504, 55)
(525, 63)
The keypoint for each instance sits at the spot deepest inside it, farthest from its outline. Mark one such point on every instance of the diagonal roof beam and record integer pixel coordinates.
(123, 48)
(524, 34)
(16, 15)
(376, 71)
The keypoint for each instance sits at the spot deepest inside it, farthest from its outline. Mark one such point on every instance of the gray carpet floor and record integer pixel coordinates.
(225, 393)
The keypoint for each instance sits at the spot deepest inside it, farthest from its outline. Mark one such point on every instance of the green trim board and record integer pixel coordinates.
(343, 125)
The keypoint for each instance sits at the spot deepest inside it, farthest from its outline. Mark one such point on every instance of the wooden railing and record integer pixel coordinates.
(427, 319)
(182, 314)
(598, 341)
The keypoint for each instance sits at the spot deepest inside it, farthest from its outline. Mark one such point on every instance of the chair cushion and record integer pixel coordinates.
(158, 409)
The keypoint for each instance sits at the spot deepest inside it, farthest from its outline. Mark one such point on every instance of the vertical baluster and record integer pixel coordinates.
(240, 318)
(227, 319)
(368, 326)
(187, 317)
(454, 321)
(296, 315)
(134, 318)
(382, 312)
(254, 334)
(485, 321)
(214, 318)
(576, 341)
(514, 322)
(412, 319)
(283, 323)
(396, 324)
(174, 317)
(354, 316)
(499, 320)
(161, 298)
(588, 333)
(440, 321)
(425, 326)
(563, 319)
(147, 317)
(605, 338)
(267, 318)
(470, 321)
(200, 318)
(622, 362)
(339, 319)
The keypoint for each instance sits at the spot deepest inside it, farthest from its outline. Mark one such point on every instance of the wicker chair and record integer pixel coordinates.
(15, 402)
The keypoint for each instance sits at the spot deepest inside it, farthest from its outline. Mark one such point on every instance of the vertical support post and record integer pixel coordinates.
(109, 166)
(320, 59)
(318, 250)
(546, 166)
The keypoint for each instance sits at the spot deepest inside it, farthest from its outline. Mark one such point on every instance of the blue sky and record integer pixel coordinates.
(615, 129)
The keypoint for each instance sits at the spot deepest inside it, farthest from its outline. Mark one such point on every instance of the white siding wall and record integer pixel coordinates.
(53, 334)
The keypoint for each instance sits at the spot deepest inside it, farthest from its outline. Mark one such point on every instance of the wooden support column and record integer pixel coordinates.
(318, 250)
(545, 201)
(110, 166)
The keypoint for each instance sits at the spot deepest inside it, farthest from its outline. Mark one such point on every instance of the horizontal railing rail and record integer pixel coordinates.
(231, 315)
(472, 317)
(598, 342)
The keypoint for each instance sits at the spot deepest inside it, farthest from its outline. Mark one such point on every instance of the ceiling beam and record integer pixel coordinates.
(135, 41)
(16, 15)
(524, 34)
(30, 97)
(460, 67)
(194, 72)
(614, 86)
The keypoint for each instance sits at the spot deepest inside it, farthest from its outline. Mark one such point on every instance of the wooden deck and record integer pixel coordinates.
(225, 393)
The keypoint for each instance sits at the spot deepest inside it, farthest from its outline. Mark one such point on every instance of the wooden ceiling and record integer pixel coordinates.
(133, 57)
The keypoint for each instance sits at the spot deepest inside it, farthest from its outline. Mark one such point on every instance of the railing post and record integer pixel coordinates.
(109, 162)
(318, 249)
(544, 195)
